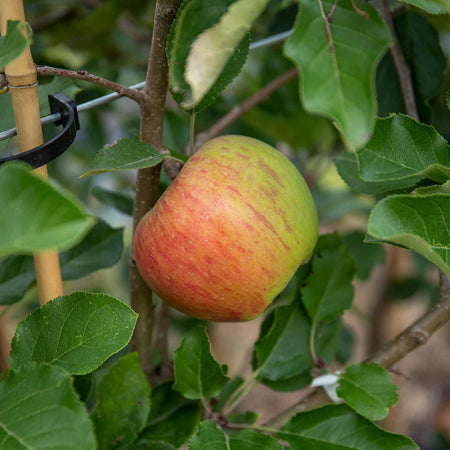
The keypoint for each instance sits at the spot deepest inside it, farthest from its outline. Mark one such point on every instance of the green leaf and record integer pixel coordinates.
(197, 373)
(333, 204)
(172, 418)
(77, 332)
(388, 89)
(101, 248)
(337, 427)
(14, 43)
(367, 388)
(40, 409)
(117, 200)
(209, 437)
(291, 384)
(123, 404)
(337, 76)
(228, 390)
(366, 255)
(247, 417)
(425, 58)
(434, 189)
(35, 216)
(423, 52)
(347, 167)
(212, 49)
(16, 276)
(175, 130)
(403, 148)
(194, 17)
(124, 154)
(252, 440)
(431, 6)
(329, 291)
(145, 444)
(420, 223)
(282, 351)
(231, 70)
(346, 345)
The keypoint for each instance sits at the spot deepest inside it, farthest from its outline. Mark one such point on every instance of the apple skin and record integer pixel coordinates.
(229, 233)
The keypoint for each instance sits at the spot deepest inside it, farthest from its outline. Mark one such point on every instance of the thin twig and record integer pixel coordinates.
(358, 10)
(390, 353)
(259, 97)
(123, 91)
(147, 181)
(403, 72)
(327, 28)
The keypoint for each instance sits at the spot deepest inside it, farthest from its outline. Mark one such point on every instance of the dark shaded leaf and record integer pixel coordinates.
(101, 248)
(172, 418)
(123, 404)
(117, 200)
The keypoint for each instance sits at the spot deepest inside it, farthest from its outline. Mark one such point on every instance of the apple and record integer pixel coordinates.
(229, 233)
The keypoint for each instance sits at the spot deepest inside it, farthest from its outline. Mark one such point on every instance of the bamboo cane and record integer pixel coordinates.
(22, 81)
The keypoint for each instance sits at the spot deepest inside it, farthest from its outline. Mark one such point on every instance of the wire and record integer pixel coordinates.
(271, 40)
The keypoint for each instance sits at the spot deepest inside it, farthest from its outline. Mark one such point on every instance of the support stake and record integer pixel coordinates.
(22, 80)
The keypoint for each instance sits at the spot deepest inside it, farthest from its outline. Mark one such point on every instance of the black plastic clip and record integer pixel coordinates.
(39, 156)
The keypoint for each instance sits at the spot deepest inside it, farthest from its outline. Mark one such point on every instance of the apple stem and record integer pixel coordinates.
(206, 407)
(191, 134)
(312, 351)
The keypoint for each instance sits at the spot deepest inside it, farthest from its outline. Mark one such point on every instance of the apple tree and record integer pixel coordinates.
(355, 94)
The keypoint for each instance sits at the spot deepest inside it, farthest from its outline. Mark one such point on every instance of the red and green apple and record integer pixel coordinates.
(229, 233)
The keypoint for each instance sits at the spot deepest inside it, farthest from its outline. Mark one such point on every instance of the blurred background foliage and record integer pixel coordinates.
(111, 38)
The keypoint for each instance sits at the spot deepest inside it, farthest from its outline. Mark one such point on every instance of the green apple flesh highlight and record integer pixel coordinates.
(229, 233)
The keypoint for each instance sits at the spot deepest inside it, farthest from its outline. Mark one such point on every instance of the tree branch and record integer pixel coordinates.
(390, 353)
(124, 91)
(403, 72)
(147, 182)
(235, 113)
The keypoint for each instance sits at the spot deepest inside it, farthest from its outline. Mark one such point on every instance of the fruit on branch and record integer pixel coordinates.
(229, 233)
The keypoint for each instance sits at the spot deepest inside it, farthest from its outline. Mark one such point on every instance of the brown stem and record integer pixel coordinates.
(327, 28)
(147, 181)
(403, 72)
(386, 356)
(419, 332)
(124, 91)
(259, 97)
